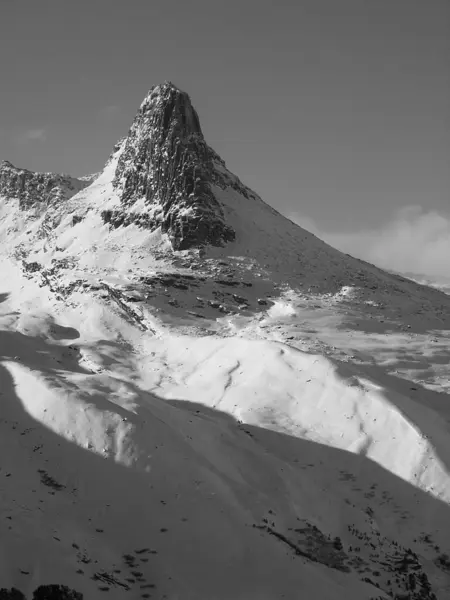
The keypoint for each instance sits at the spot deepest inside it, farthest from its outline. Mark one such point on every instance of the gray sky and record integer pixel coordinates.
(335, 111)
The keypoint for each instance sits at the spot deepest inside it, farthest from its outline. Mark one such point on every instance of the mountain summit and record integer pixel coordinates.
(164, 186)
(166, 166)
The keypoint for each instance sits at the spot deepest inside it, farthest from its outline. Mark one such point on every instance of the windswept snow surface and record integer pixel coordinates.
(266, 420)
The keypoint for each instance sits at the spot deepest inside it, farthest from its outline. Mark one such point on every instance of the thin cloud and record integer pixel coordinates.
(32, 135)
(414, 241)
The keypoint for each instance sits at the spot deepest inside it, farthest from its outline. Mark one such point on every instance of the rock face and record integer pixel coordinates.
(32, 189)
(56, 592)
(168, 169)
(166, 176)
(43, 592)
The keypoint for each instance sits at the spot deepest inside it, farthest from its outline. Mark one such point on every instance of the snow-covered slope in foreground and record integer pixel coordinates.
(254, 416)
(206, 467)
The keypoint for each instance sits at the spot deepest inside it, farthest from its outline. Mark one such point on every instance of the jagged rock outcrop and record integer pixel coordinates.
(32, 189)
(12, 594)
(164, 178)
(56, 592)
(43, 592)
(166, 164)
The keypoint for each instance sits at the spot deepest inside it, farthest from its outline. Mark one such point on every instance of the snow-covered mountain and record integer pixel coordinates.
(37, 190)
(201, 400)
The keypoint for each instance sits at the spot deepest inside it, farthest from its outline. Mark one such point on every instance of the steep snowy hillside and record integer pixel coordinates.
(201, 400)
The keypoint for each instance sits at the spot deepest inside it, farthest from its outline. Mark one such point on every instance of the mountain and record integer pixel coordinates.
(166, 164)
(203, 400)
(37, 190)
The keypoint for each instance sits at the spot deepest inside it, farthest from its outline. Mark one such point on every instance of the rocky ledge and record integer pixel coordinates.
(166, 168)
(35, 189)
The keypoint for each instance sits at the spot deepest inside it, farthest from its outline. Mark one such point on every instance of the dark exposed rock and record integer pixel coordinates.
(240, 299)
(31, 267)
(76, 219)
(12, 594)
(43, 592)
(33, 189)
(227, 282)
(166, 162)
(172, 280)
(47, 480)
(317, 548)
(163, 163)
(56, 592)
(120, 300)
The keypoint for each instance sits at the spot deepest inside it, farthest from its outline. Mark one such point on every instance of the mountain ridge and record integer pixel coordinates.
(162, 178)
(32, 188)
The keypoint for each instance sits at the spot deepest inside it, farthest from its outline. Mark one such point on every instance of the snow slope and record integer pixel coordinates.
(264, 419)
(133, 471)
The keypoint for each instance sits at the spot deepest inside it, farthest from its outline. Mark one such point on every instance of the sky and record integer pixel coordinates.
(337, 113)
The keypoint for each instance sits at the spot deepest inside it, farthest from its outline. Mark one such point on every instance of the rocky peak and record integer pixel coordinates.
(171, 108)
(5, 164)
(33, 189)
(166, 165)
